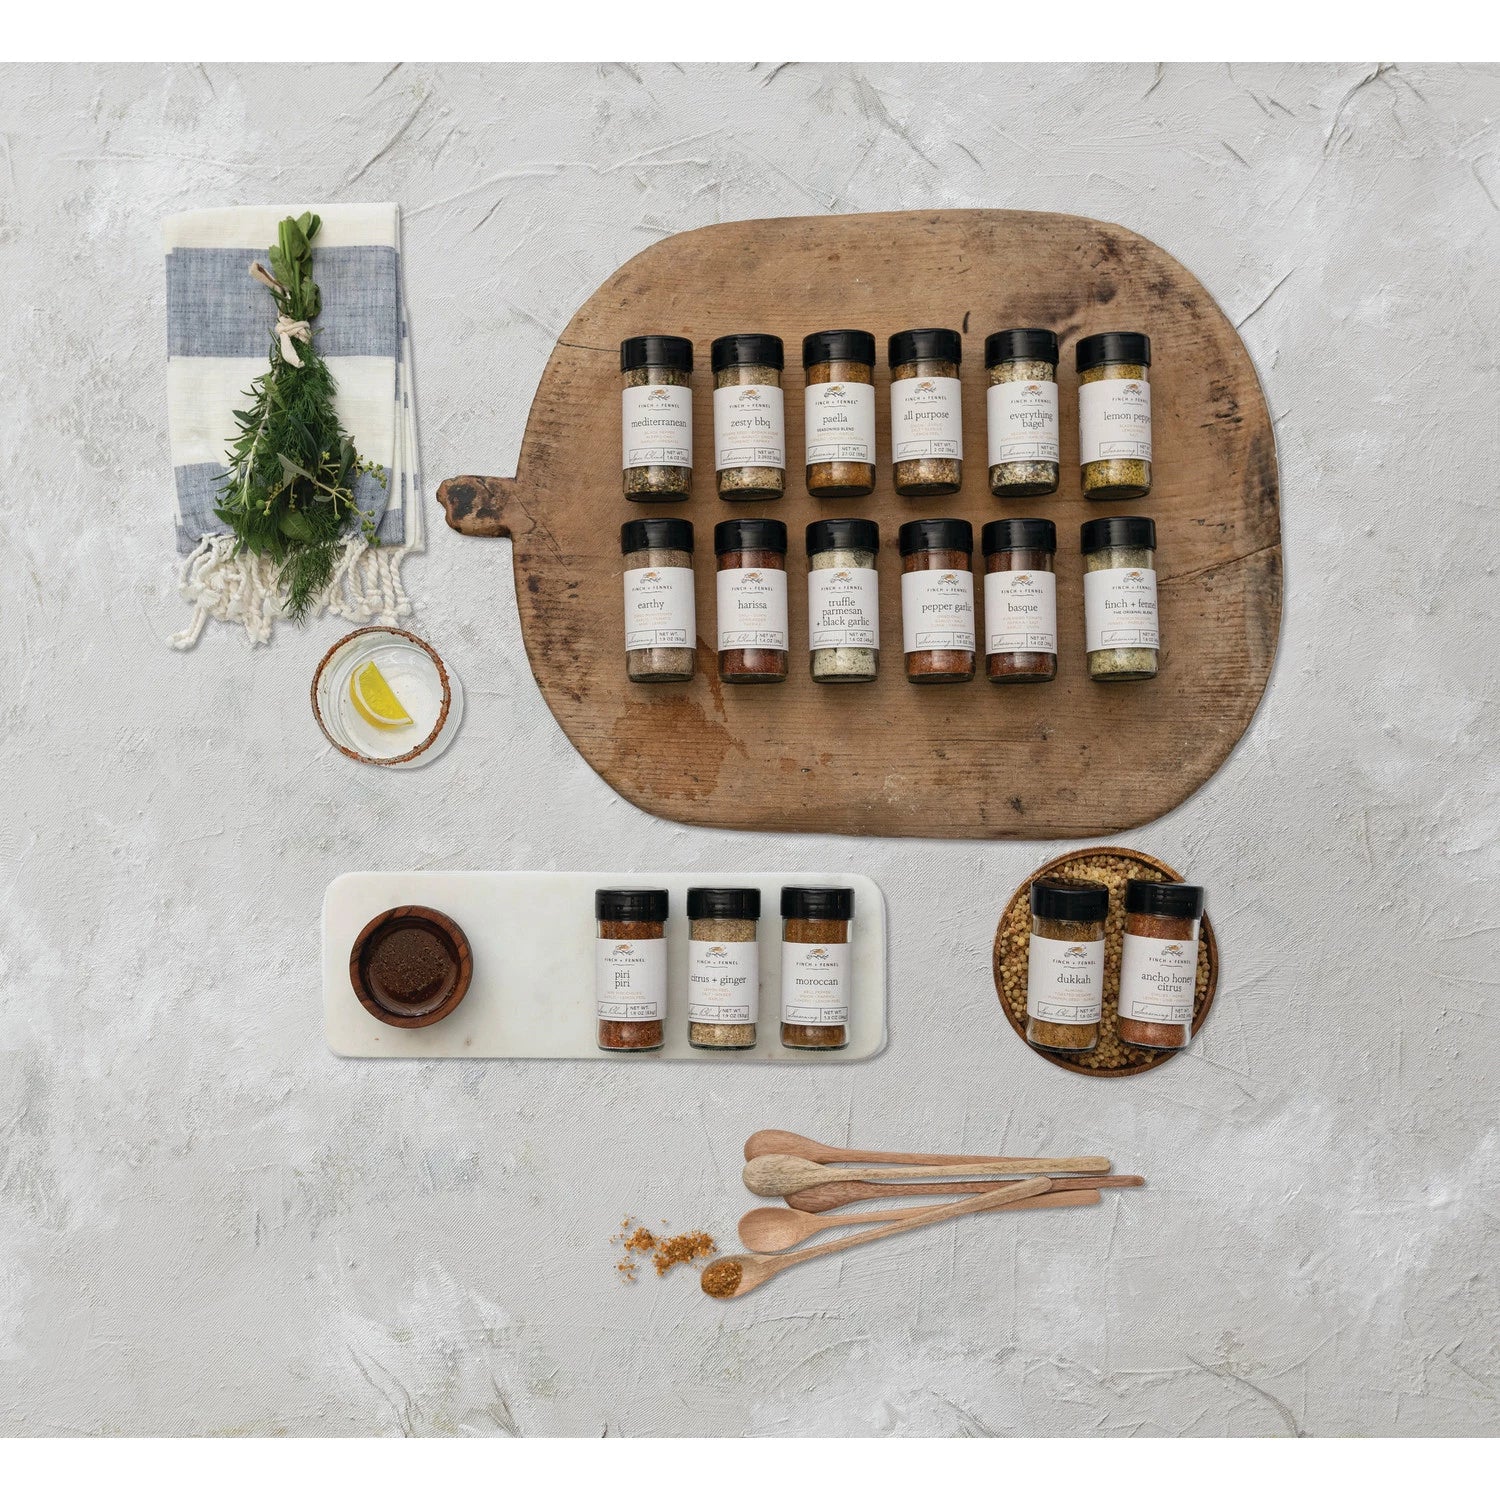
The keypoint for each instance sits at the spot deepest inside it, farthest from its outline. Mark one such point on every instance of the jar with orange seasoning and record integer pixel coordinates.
(1159, 964)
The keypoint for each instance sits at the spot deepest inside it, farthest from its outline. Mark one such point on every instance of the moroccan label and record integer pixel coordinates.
(1064, 981)
(1119, 608)
(937, 610)
(815, 984)
(659, 608)
(840, 422)
(656, 425)
(749, 427)
(752, 609)
(1114, 420)
(1020, 611)
(723, 981)
(630, 979)
(1158, 977)
(1023, 421)
(927, 418)
(843, 608)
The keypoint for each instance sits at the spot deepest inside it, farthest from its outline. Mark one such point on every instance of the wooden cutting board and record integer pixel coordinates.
(1066, 759)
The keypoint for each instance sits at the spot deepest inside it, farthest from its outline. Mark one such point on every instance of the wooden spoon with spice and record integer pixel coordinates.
(789, 1143)
(816, 1200)
(734, 1275)
(776, 1176)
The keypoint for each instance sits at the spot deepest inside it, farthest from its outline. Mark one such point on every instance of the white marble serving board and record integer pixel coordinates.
(532, 932)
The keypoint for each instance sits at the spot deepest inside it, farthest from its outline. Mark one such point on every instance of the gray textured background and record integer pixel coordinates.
(210, 1225)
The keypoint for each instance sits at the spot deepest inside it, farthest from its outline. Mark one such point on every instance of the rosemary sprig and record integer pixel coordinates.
(288, 492)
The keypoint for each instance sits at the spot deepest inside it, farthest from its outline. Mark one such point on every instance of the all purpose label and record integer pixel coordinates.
(656, 425)
(927, 418)
(723, 981)
(630, 979)
(1114, 420)
(1064, 981)
(840, 422)
(659, 608)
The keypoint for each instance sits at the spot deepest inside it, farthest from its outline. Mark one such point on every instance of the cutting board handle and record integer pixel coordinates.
(482, 505)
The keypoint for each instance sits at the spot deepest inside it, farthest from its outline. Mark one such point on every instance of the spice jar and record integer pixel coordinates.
(927, 432)
(843, 600)
(1065, 964)
(1121, 630)
(752, 600)
(749, 419)
(1114, 415)
(1022, 411)
(661, 630)
(656, 417)
(815, 967)
(937, 600)
(723, 967)
(630, 969)
(1020, 600)
(1159, 964)
(839, 410)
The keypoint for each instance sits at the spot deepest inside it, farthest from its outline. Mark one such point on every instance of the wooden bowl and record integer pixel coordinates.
(455, 947)
(1013, 1003)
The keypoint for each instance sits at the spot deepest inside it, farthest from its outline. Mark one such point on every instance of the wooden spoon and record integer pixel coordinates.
(816, 1200)
(788, 1143)
(734, 1275)
(781, 1228)
(775, 1176)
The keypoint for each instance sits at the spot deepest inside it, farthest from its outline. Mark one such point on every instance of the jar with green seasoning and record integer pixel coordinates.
(749, 416)
(838, 366)
(1022, 411)
(656, 417)
(1121, 630)
(843, 600)
(1114, 415)
(927, 421)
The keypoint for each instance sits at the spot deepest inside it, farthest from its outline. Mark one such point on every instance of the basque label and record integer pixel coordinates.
(1065, 981)
(656, 425)
(1158, 977)
(815, 984)
(843, 608)
(1020, 611)
(937, 610)
(927, 418)
(840, 422)
(1119, 608)
(749, 427)
(1022, 421)
(1114, 420)
(659, 608)
(630, 979)
(723, 982)
(752, 609)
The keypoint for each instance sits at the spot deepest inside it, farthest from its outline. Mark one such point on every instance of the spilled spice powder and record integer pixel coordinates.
(665, 1251)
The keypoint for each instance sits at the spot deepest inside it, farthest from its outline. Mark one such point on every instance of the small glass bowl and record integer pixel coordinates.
(417, 675)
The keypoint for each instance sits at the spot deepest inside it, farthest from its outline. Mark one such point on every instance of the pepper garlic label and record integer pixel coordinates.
(937, 610)
(1119, 608)
(927, 418)
(1114, 420)
(1065, 981)
(656, 425)
(1158, 978)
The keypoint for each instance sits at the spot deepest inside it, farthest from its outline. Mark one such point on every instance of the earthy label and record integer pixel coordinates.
(1114, 420)
(1023, 421)
(1158, 977)
(815, 984)
(723, 981)
(659, 608)
(656, 425)
(1119, 608)
(630, 978)
(1065, 981)
(1020, 611)
(752, 609)
(840, 422)
(927, 418)
(749, 427)
(843, 608)
(937, 610)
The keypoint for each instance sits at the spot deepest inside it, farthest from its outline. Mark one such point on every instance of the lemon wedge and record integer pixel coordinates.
(374, 701)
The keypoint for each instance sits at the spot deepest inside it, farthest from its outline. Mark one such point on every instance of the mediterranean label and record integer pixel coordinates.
(656, 425)
(937, 610)
(927, 418)
(630, 979)
(1020, 611)
(752, 609)
(1114, 420)
(1065, 981)
(1158, 977)
(840, 422)
(749, 427)
(815, 984)
(723, 981)
(659, 608)
(843, 608)
(1023, 421)
(1119, 608)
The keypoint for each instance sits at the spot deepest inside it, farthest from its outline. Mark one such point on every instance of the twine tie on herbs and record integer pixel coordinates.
(286, 328)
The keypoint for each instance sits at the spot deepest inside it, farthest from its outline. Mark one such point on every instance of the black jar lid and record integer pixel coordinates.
(1020, 343)
(746, 349)
(1015, 532)
(846, 534)
(749, 534)
(938, 534)
(664, 533)
(1113, 349)
(630, 904)
(729, 903)
(1164, 898)
(853, 345)
(924, 343)
(1069, 900)
(1117, 531)
(817, 903)
(662, 349)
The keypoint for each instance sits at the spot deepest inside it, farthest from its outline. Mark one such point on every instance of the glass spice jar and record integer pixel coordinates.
(723, 967)
(937, 600)
(1022, 411)
(815, 966)
(843, 600)
(1114, 415)
(838, 366)
(749, 416)
(1065, 964)
(1159, 964)
(1122, 632)
(927, 432)
(656, 417)
(1020, 600)
(630, 969)
(661, 630)
(753, 633)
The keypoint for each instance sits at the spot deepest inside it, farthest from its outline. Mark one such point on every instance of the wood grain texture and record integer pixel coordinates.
(1070, 758)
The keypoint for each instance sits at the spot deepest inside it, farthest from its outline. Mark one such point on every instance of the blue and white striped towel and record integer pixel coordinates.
(219, 325)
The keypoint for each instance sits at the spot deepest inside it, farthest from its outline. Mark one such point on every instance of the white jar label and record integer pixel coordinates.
(1065, 981)
(843, 608)
(1020, 611)
(656, 423)
(937, 610)
(1023, 421)
(752, 609)
(1119, 608)
(815, 984)
(927, 418)
(749, 427)
(723, 981)
(659, 608)
(630, 979)
(1114, 420)
(1158, 977)
(840, 422)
